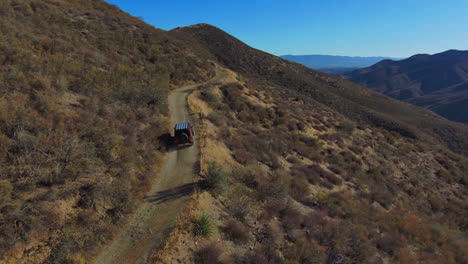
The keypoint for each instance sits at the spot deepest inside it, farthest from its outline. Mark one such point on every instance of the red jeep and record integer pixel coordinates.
(183, 134)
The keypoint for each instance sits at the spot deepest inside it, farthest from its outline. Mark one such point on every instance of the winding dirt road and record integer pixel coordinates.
(156, 217)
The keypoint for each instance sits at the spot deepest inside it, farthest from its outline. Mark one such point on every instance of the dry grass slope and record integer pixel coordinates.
(83, 91)
(354, 101)
(308, 185)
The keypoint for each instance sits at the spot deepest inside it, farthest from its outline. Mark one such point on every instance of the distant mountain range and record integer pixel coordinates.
(438, 82)
(334, 64)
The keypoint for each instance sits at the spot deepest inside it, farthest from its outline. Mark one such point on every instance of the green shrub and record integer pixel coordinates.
(204, 226)
(216, 178)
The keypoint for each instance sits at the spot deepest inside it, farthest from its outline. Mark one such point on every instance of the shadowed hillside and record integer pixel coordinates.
(438, 82)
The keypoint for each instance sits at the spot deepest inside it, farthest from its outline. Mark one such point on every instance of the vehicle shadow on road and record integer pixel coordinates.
(176, 192)
(167, 144)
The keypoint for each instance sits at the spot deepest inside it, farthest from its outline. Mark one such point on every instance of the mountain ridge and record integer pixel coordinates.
(438, 82)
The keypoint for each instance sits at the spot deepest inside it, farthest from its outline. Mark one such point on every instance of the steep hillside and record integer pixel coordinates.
(293, 181)
(302, 167)
(438, 82)
(354, 101)
(83, 99)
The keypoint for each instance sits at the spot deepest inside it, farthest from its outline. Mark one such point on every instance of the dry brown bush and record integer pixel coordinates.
(216, 119)
(273, 207)
(209, 253)
(303, 251)
(264, 254)
(333, 178)
(390, 242)
(303, 171)
(336, 169)
(299, 189)
(239, 211)
(292, 218)
(224, 133)
(233, 142)
(243, 157)
(316, 218)
(322, 173)
(237, 231)
(293, 160)
(381, 195)
(271, 190)
(208, 96)
(437, 202)
(356, 149)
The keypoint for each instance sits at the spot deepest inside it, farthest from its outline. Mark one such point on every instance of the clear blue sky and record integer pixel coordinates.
(396, 28)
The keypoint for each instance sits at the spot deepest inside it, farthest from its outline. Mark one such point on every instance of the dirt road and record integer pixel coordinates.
(156, 217)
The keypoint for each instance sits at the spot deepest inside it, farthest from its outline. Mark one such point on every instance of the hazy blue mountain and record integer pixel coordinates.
(334, 64)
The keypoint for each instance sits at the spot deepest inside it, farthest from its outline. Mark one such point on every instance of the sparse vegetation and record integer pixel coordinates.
(83, 98)
(236, 231)
(327, 171)
(216, 178)
(346, 127)
(356, 103)
(209, 254)
(333, 190)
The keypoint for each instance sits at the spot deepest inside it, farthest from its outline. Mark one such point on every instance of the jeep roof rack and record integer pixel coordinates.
(182, 126)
